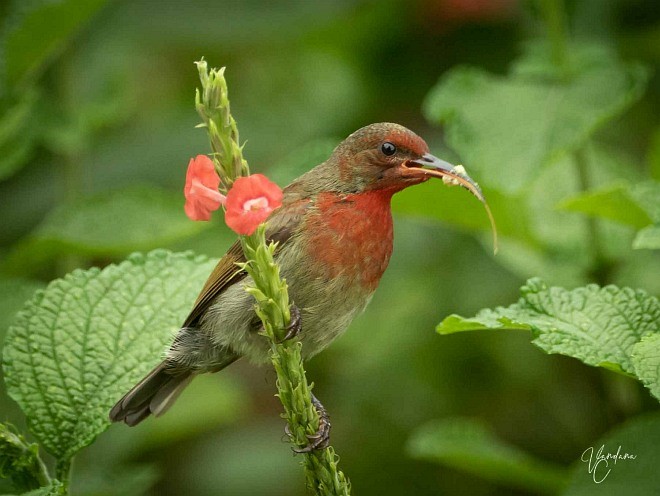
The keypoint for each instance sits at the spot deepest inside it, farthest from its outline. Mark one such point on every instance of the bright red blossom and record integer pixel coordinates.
(201, 190)
(250, 201)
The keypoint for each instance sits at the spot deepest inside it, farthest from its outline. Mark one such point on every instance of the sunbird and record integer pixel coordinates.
(334, 233)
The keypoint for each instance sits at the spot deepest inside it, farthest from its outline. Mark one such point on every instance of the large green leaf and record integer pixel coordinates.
(110, 224)
(639, 437)
(79, 345)
(468, 445)
(599, 326)
(35, 31)
(505, 129)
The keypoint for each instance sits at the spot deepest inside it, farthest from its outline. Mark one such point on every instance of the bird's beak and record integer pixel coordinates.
(432, 166)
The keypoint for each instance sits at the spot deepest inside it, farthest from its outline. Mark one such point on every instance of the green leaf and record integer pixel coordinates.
(638, 437)
(83, 342)
(459, 208)
(648, 238)
(637, 205)
(507, 128)
(17, 132)
(111, 224)
(468, 445)
(55, 488)
(647, 194)
(35, 31)
(598, 326)
(646, 361)
(613, 203)
(19, 460)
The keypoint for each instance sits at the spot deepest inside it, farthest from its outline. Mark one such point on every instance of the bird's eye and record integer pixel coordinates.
(388, 148)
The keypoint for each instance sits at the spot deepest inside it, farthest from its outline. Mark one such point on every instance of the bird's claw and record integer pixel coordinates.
(294, 327)
(321, 439)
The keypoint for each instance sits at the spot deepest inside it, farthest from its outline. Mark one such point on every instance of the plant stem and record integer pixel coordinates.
(601, 268)
(555, 22)
(321, 471)
(63, 473)
(42, 473)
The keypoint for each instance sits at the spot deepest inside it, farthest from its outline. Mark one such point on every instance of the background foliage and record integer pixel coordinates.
(562, 132)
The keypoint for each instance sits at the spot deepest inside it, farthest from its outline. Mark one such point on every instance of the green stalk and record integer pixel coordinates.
(555, 22)
(601, 268)
(270, 292)
(63, 473)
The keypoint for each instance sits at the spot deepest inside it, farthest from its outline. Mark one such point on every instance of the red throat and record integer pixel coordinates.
(352, 235)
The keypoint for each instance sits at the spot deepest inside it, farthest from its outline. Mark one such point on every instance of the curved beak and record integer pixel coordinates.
(431, 166)
(435, 167)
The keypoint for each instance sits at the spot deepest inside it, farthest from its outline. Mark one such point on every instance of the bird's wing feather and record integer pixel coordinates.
(225, 273)
(282, 224)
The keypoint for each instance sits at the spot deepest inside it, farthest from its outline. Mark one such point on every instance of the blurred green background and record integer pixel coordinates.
(98, 125)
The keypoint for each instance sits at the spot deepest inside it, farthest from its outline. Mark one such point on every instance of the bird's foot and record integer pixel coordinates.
(321, 439)
(295, 325)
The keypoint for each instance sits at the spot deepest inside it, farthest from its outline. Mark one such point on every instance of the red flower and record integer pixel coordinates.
(201, 190)
(250, 201)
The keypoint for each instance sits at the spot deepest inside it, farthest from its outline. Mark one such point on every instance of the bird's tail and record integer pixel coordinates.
(153, 395)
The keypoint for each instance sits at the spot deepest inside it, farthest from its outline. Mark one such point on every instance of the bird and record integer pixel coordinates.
(334, 235)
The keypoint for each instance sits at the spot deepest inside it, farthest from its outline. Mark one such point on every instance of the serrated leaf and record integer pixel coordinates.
(506, 129)
(80, 344)
(646, 361)
(55, 488)
(468, 445)
(35, 31)
(593, 324)
(111, 224)
(638, 437)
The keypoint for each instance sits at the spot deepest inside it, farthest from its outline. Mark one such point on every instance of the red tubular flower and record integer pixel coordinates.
(201, 190)
(250, 201)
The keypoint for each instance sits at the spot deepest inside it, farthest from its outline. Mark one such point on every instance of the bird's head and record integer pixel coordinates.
(390, 157)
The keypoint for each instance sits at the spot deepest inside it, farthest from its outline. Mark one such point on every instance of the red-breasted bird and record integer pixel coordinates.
(334, 230)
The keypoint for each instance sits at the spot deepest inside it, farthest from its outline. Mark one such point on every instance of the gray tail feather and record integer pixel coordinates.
(152, 395)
